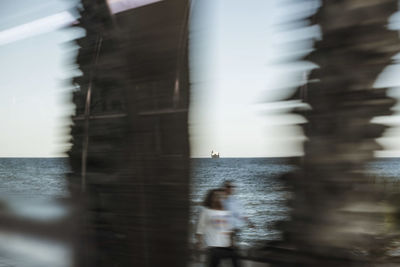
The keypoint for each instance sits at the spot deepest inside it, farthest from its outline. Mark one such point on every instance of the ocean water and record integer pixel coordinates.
(32, 188)
(258, 188)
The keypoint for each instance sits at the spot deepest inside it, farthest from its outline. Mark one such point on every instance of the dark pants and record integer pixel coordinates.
(216, 254)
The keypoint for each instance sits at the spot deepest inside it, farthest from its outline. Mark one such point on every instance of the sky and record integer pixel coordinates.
(231, 46)
(36, 62)
(236, 80)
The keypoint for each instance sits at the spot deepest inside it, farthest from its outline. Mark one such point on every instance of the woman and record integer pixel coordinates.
(215, 230)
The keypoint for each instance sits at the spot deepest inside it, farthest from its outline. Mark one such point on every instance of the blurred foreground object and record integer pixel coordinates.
(130, 154)
(337, 218)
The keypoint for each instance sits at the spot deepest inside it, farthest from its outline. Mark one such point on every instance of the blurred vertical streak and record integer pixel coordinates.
(336, 217)
(135, 209)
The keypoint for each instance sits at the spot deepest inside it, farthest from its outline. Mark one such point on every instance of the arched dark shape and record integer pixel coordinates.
(130, 154)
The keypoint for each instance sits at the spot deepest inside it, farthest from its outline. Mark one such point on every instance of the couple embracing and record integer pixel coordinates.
(219, 221)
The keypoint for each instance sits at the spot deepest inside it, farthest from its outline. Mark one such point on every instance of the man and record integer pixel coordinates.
(234, 206)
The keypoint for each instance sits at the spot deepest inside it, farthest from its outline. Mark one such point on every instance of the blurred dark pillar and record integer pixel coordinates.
(336, 217)
(134, 210)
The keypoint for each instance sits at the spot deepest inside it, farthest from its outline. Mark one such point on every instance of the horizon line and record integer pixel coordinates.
(196, 157)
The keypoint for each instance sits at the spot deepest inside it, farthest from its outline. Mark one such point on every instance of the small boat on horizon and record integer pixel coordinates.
(214, 154)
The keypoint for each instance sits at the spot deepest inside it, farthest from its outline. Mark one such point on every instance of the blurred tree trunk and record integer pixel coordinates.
(336, 213)
(132, 201)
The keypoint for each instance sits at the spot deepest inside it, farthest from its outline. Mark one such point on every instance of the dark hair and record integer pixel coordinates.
(209, 197)
(227, 183)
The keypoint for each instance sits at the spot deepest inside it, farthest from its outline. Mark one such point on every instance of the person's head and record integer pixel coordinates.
(229, 187)
(214, 199)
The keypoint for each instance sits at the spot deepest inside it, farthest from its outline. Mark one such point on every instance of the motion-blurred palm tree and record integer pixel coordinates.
(130, 154)
(336, 213)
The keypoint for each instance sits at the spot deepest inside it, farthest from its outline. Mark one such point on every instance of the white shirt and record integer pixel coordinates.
(215, 226)
(233, 205)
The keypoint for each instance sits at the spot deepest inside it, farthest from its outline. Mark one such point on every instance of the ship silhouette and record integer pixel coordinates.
(214, 154)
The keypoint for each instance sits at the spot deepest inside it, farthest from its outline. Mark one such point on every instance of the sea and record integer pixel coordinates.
(33, 188)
